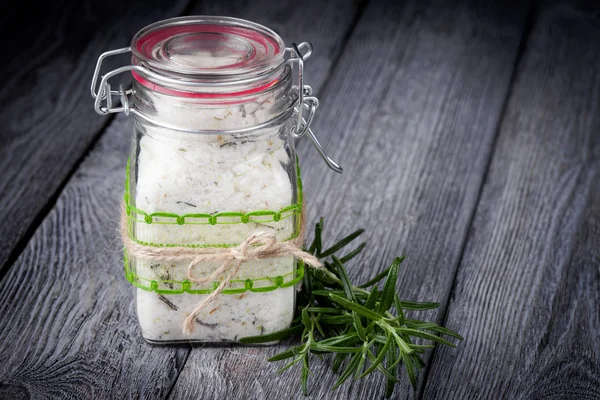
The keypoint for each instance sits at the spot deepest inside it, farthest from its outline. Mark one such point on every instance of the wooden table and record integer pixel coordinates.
(469, 134)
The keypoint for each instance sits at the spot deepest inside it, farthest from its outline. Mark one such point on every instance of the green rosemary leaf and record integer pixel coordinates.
(389, 288)
(354, 361)
(313, 245)
(371, 327)
(410, 370)
(304, 376)
(353, 253)
(376, 279)
(381, 369)
(342, 273)
(382, 274)
(327, 292)
(274, 336)
(361, 310)
(319, 327)
(306, 320)
(430, 326)
(391, 370)
(324, 310)
(417, 306)
(419, 349)
(307, 282)
(283, 355)
(318, 240)
(316, 245)
(341, 244)
(402, 345)
(373, 297)
(345, 339)
(360, 330)
(338, 361)
(334, 349)
(378, 338)
(361, 364)
(380, 357)
(338, 292)
(290, 364)
(337, 319)
(325, 277)
(425, 335)
(421, 346)
(399, 310)
(419, 361)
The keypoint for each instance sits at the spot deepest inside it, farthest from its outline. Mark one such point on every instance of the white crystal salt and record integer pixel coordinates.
(187, 173)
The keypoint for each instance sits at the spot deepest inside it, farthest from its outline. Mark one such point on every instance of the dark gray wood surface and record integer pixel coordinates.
(468, 131)
(47, 123)
(527, 293)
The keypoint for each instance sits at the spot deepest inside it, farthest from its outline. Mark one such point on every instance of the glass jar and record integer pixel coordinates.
(216, 109)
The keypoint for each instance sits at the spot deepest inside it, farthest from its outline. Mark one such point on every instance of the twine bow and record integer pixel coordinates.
(259, 245)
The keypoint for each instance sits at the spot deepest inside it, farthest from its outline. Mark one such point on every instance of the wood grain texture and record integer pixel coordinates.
(68, 322)
(527, 294)
(67, 316)
(411, 112)
(45, 114)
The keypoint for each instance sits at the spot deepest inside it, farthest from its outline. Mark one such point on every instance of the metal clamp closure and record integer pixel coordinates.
(304, 91)
(308, 101)
(103, 94)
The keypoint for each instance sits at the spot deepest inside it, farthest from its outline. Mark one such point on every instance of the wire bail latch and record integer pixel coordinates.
(304, 109)
(308, 101)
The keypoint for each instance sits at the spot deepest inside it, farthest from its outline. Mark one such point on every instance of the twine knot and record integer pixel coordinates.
(259, 245)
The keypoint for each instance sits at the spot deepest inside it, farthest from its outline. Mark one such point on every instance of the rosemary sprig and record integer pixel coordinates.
(366, 330)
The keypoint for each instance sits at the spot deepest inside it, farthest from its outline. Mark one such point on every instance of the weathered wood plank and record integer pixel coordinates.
(64, 306)
(527, 294)
(411, 112)
(67, 316)
(47, 123)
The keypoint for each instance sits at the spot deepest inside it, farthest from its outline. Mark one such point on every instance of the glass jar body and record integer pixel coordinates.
(212, 190)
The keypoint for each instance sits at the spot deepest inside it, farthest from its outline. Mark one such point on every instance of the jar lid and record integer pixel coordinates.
(208, 47)
(214, 58)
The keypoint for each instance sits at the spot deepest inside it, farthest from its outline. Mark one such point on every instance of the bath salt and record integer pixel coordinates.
(185, 173)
